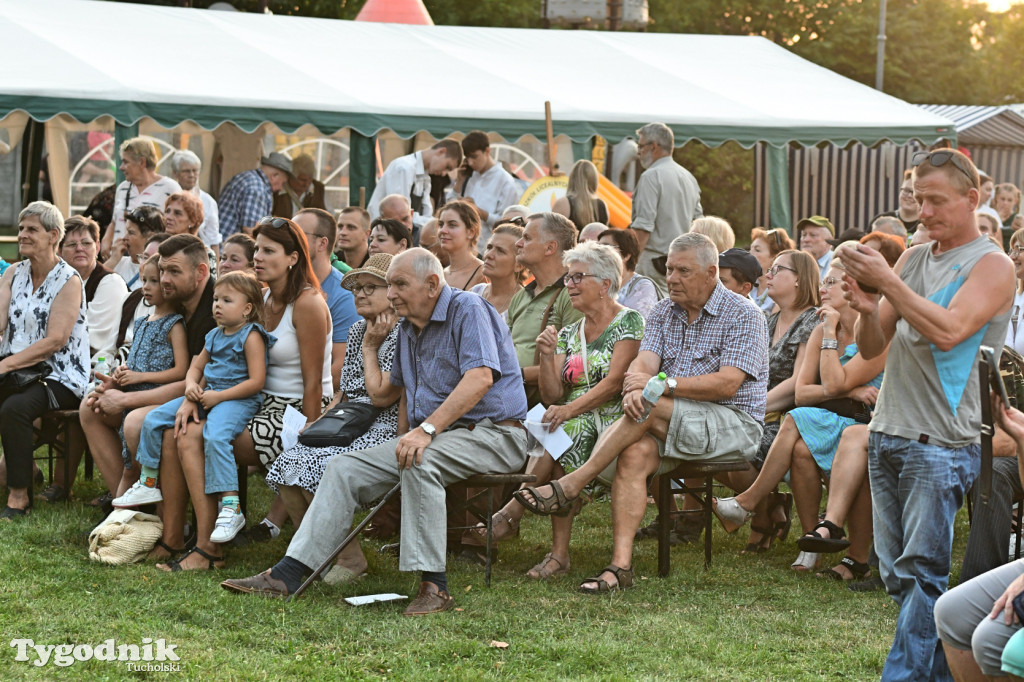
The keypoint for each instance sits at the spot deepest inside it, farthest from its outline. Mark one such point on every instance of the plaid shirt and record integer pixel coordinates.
(729, 332)
(464, 332)
(244, 201)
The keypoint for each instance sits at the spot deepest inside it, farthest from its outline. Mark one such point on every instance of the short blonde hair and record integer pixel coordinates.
(142, 148)
(717, 229)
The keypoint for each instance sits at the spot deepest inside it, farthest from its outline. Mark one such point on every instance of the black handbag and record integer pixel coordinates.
(339, 426)
(18, 380)
(849, 408)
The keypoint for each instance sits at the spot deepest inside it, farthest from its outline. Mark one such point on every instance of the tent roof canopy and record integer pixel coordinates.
(1001, 126)
(249, 68)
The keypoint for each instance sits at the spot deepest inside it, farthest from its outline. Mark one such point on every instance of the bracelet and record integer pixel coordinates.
(829, 344)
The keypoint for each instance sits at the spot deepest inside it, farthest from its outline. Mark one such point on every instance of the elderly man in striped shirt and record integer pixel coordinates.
(713, 346)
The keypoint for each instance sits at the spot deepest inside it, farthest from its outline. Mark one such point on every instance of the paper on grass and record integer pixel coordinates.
(372, 598)
(556, 442)
(293, 422)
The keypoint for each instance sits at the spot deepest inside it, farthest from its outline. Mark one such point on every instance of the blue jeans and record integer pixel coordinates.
(916, 490)
(221, 425)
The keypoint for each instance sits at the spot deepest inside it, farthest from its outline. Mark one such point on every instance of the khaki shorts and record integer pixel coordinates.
(703, 432)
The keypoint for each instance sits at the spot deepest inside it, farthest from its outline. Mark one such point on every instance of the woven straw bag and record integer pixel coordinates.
(124, 537)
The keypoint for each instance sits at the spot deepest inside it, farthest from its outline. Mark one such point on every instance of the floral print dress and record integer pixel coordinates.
(585, 428)
(29, 322)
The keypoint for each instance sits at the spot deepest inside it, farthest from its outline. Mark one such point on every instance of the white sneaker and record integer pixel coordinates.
(229, 522)
(1012, 556)
(138, 495)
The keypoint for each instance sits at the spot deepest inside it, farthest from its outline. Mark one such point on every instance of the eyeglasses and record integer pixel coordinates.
(85, 244)
(1014, 252)
(576, 278)
(940, 158)
(311, 236)
(831, 281)
(366, 289)
(774, 270)
(271, 221)
(906, 192)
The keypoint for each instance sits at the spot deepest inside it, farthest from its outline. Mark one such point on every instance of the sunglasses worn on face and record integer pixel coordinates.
(940, 158)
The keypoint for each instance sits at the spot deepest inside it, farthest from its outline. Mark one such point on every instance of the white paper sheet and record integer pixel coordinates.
(373, 598)
(556, 442)
(293, 422)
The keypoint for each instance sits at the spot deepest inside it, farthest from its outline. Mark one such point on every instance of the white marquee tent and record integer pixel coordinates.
(87, 59)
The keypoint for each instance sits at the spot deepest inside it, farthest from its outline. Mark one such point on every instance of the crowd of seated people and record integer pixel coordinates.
(759, 348)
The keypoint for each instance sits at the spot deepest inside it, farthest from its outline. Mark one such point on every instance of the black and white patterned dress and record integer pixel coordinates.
(303, 466)
(29, 322)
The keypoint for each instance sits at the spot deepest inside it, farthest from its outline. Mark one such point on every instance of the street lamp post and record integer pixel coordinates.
(880, 62)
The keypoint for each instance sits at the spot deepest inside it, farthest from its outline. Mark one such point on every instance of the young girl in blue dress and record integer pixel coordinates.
(159, 350)
(222, 390)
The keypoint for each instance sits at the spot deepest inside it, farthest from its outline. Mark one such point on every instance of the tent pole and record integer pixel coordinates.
(552, 149)
(780, 211)
(362, 178)
(122, 133)
(31, 160)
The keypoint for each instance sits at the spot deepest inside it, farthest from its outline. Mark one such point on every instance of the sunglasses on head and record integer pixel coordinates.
(518, 220)
(271, 221)
(941, 157)
(137, 217)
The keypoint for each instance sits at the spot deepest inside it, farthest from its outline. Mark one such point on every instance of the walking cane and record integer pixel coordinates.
(348, 538)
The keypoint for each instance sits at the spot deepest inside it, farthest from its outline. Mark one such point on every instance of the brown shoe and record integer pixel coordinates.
(261, 584)
(429, 600)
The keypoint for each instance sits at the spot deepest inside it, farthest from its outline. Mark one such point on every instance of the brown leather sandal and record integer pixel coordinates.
(544, 569)
(623, 577)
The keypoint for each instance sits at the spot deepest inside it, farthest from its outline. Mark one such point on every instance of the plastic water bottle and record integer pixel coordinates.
(652, 391)
(101, 368)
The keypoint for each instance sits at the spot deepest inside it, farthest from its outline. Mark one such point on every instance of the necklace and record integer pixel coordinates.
(501, 304)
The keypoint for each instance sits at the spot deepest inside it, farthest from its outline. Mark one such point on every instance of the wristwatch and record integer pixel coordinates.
(429, 429)
(670, 384)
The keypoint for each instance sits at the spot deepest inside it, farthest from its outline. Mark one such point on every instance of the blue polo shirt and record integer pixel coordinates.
(341, 304)
(464, 332)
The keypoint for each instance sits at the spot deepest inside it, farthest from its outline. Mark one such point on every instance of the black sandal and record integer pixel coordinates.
(767, 533)
(858, 569)
(54, 493)
(171, 551)
(813, 542)
(623, 576)
(781, 528)
(11, 513)
(174, 565)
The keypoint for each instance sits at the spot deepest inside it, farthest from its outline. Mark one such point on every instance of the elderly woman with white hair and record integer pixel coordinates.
(581, 372)
(186, 166)
(44, 355)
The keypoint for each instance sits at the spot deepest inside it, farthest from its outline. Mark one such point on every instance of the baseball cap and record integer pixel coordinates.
(742, 261)
(817, 221)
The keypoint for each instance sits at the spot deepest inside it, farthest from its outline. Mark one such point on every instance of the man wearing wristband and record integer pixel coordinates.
(462, 401)
(937, 306)
(713, 346)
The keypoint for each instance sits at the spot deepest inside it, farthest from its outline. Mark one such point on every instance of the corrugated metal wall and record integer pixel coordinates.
(851, 186)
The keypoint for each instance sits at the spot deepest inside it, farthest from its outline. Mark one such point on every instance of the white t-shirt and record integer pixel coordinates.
(1015, 330)
(209, 231)
(128, 196)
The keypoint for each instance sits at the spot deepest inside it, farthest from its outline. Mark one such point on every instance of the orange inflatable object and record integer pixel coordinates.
(620, 205)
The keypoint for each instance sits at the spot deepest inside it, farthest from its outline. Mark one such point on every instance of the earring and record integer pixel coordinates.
(289, 268)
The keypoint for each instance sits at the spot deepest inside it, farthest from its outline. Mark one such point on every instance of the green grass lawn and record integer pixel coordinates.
(748, 618)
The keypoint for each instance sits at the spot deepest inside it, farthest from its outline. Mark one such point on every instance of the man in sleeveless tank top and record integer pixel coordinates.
(940, 303)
